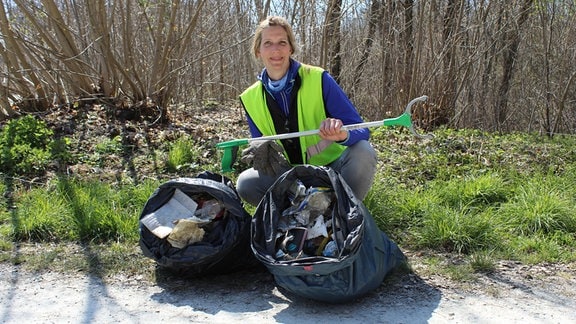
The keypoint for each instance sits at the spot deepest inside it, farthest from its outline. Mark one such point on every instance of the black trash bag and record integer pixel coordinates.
(224, 248)
(366, 255)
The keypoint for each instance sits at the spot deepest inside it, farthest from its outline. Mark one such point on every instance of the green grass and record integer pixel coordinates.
(483, 196)
(474, 196)
(72, 210)
(182, 153)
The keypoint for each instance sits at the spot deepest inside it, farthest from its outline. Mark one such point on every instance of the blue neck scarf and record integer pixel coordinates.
(284, 84)
(278, 85)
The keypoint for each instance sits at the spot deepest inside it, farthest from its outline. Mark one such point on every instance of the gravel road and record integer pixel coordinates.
(513, 294)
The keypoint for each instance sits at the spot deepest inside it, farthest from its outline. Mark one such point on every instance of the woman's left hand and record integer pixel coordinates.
(331, 129)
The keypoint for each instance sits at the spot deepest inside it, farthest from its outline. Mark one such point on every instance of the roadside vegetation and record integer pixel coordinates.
(465, 195)
(89, 127)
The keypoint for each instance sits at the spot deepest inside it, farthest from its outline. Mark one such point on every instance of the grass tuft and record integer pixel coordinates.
(182, 153)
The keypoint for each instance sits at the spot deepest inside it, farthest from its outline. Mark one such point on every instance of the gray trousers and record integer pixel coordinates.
(357, 165)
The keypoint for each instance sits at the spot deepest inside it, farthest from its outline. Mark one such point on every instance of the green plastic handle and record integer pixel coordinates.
(403, 120)
(233, 143)
(230, 148)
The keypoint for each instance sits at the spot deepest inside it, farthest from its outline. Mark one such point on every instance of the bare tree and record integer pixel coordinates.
(331, 39)
(408, 43)
(373, 17)
(262, 8)
(556, 28)
(23, 80)
(450, 36)
(54, 57)
(510, 52)
(493, 65)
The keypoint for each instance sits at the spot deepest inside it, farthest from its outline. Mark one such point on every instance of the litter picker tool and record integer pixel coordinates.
(230, 148)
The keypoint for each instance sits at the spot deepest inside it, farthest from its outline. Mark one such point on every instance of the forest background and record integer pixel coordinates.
(492, 65)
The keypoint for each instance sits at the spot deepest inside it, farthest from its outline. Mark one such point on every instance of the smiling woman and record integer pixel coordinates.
(290, 97)
(275, 50)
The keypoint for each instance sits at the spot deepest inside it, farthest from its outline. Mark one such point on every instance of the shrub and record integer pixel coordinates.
(27, 147)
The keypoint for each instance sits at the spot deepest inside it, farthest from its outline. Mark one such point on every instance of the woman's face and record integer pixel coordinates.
(275, 51)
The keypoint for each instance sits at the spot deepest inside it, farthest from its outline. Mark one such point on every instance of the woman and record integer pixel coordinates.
(290, 97)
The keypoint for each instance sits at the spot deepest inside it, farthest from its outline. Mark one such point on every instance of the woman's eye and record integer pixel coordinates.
(280, 43)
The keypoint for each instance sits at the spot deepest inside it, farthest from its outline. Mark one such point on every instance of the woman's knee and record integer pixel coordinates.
(360, 158)
(243, 186)
(360, 167)
(251, 186)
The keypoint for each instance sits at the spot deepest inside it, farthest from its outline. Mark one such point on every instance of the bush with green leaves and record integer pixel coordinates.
(27, 147)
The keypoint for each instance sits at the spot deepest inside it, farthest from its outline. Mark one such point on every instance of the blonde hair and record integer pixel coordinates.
(268, 22)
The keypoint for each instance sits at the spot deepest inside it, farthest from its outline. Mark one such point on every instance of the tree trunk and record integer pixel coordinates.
(408, 43)
(331, 39)
(450, 36)
(510, 52)
(18, 66)
(373, 17)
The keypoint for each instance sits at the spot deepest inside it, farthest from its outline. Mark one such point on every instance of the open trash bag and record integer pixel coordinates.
(197, 226)
(318, 240)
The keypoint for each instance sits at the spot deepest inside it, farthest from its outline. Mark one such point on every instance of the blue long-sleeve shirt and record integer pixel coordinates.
(336, 103)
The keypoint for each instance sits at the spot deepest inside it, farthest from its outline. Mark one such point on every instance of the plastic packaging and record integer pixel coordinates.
(296, 192)
(331, 250)
(319, 199)
(317, 229)
(210, 210)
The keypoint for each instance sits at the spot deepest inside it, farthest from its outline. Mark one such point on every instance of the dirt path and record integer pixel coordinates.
(514, 294)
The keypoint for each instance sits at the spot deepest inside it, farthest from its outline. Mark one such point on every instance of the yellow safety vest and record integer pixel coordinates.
(311, 113)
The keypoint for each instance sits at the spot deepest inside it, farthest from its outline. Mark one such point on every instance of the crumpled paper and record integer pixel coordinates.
(185, 232)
